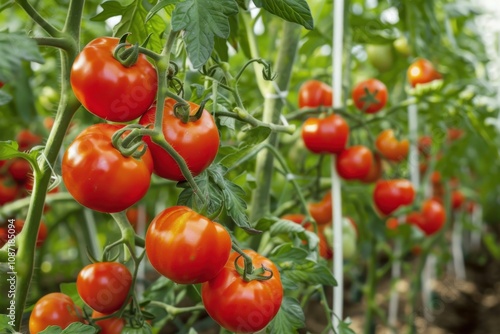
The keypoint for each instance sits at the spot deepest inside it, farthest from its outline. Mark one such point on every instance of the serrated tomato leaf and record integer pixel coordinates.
(74, 328)
(309, 272)
(202, 20)
(159, 6)
(297, 11)
(14, 48)
(289, 319)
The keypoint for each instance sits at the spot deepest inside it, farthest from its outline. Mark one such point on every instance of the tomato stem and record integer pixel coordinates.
(40, 20)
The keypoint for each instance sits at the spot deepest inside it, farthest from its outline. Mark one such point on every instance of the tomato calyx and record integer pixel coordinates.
(130, 144)
(248, 272)
(129, 56)
(182, 110)
(369, 98)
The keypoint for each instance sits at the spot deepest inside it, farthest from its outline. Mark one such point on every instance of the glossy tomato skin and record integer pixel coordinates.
(197, 142)
(389, 195)
(375, 172)
(314, 94)
(391, 148)
(327, 135)
(99, 177)
(422, 71)
(431, 218)
(8, 190)
(239, 306)
(104, 286)
(354, 163)
(108, 89)
(54, 309)
(109, 326)
(363, 102)
(322, 211)
(185, 246)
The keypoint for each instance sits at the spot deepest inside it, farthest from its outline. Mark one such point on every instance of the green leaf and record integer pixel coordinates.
(209, 191)
(202, 20)
(9, 150)
(7, 323)
(251, 138)
(71, 290)
(285, 226)
(14, 48)
(289, 319)
(344, 327)
(4, 98)
(159, 6)
(308, 272)
(74, 328)
(287, 252)
(297, 11)
(379, 32)
(133, 20)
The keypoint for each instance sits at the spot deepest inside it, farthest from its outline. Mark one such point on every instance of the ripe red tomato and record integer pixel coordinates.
(42, 231)
(370, 96)
(422, 71)
(20, 170)
(108, 326)
(457, 199)
(54, 309)
(431, 219)
(391, 148)
(8, 190)
(327, 135)
(108, 89)
(4, 236)
(375, 170)
(27, 140)
(389, 195)
(314, 94)
(424, 145)
(104, 286)
(201, 246)
(1, 84)
(354, 163)
(99, 177)
(197, 142)
(239, 306)
(392, 223)
(322, 211)
(454, 134)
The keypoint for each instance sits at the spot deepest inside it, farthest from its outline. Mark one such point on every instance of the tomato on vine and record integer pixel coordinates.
(185, 246)
(99, 177)
(322, 211)
(391, 148)
(108, 89)
(54, 309)
(375, 172)
(110, 325)
(314, 94)
(431, 218)
(27, 140)
(327, 135)
(243, 306)
(104, 286)
(8, 190)
(197, 141)
(457, 199)
(20, 170)
(422, 71)
(370, 96)
(389, 195)
(354, 163)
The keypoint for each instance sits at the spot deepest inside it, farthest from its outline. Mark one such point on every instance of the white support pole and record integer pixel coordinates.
(456, 247)
(338, 262)
(477, 222)
(141, 230)
(395, 276)
(427, 279)
(413, 154)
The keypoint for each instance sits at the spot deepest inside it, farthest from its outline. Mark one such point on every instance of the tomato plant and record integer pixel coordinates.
(243, 306)
(322, 211)
(375, 170)
(422, 71)
(327, 135)
(54, 309)
(314, 94)
(391, 148)
(370, 96)
(389, 195)
(354, 163)
(8, 190)
(431, 218)
(109, 89)
(95, 172)
(196, 141)
(110, 325)
(104, 286)
(201, 246)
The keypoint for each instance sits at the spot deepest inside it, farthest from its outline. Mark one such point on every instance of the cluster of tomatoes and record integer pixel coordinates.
(16, 181)
(181, 244)
(330, 134)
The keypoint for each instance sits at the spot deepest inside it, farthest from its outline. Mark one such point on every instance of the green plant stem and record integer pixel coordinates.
(290, 129)
(371, 289)
(174, 311)
(272, 112)
(12, 207)
(127, 231)
(56, 42)
(35, 16)
(68, 105)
